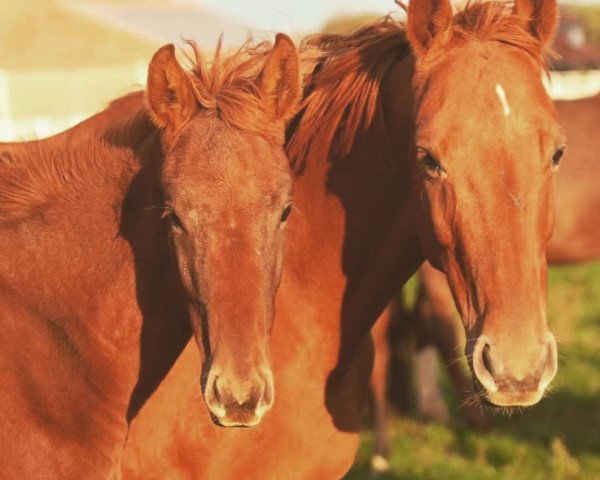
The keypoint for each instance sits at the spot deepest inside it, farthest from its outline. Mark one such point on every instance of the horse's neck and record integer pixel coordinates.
(358, 209)
(354, 238)
(75, 265)
(69, 192)
(576, 230)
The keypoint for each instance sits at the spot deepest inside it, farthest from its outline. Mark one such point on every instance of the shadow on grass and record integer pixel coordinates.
(532, 438)
(557, 439)
(573, 419)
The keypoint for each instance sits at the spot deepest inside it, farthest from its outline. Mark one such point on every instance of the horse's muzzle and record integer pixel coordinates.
(509, 383)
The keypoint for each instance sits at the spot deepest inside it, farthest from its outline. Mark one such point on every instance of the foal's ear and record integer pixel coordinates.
(170, 91)
(541, 17)
(428, 20)
(279, 80)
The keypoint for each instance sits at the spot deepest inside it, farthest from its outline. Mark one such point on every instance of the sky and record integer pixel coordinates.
(294, 15)
(297, 16)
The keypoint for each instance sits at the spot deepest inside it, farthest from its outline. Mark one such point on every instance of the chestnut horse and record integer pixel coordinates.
(576, 239)
(447, 154)
(151, 220)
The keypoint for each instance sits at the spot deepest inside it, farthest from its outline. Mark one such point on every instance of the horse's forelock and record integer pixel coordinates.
(343, 75)
(495, 21)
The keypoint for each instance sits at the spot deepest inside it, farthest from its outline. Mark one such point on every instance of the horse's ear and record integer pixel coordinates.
(428, 20)
(541, 17)
(279, 80)
(170, 92)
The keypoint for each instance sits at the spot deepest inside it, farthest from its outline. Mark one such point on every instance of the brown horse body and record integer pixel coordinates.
(367, 207)
(576, 238)
(95, 269)
(67, 382)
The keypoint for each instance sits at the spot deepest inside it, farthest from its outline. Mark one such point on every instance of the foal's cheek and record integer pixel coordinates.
(184, 266)
(186, 276)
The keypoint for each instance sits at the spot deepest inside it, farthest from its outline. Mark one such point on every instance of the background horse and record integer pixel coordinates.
(576, 239)
(126, 233)
(377, 189)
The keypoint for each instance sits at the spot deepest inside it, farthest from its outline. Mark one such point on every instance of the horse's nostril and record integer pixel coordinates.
(550, 365)
(216, 390)
(487, 361)
(483, 365)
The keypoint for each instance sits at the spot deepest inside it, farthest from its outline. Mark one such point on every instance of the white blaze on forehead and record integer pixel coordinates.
(502, 96)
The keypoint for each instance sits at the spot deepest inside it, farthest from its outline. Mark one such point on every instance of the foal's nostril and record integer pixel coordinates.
(267, 397)
(239, 400)
(216, 390)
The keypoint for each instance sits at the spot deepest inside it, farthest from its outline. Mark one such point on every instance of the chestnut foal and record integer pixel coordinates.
(161, 216)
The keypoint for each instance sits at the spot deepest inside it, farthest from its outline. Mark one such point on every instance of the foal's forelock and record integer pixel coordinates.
(226, 87)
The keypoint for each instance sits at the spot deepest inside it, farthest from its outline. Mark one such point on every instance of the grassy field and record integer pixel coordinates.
(557, 439)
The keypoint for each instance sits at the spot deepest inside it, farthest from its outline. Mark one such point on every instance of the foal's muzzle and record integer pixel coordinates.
(236, 401)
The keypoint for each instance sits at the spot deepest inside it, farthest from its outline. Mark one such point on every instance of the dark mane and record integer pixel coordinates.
(344, 84)
(345, 74)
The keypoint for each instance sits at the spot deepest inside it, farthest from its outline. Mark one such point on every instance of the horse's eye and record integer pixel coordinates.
(556, 158)
(286, 213)
(432, 166)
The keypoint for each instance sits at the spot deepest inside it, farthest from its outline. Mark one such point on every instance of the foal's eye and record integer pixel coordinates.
(286, 213)
(556, 158)
(432, 166)
(173, 220)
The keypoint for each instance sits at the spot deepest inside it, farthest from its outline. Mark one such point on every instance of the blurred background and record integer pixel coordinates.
(63, 60)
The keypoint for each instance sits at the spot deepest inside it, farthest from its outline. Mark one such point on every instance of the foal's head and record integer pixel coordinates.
(227, 189)
(487, 144)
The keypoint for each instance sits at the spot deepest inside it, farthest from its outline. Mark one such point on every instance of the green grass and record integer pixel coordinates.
(557, 439)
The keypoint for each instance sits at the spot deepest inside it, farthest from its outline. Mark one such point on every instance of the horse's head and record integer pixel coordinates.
(487, 143)
(227, 188)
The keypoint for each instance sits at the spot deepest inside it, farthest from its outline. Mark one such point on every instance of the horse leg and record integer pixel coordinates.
(437, 327)
(447, 343)
(429, 394)
(379, 387)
